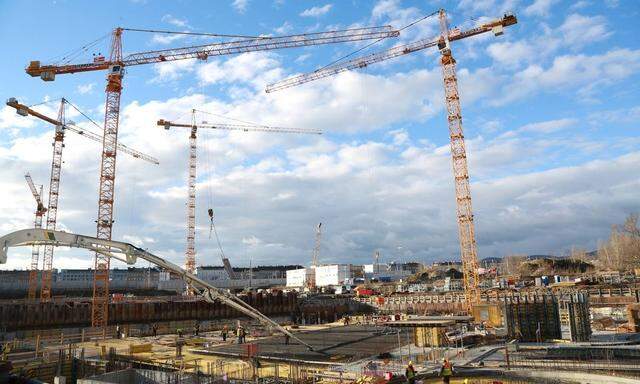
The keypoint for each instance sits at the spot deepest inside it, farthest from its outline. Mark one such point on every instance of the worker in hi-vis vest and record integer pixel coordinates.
(410, 373)
(446, 371)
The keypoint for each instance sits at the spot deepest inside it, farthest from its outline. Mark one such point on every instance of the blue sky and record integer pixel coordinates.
(550, 114)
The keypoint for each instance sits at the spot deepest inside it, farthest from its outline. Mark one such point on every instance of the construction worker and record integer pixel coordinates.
(196, 329)
(224, 333)
(446, 371)
(239, 334)
(410, 373)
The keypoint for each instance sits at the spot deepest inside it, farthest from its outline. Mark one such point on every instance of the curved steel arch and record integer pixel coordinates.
(129, 253)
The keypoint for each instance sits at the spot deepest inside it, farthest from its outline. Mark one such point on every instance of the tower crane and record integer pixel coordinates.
(115, 66)
(35, 249)
(56, 170)
(190, 253)
(316, 248)
(466, 231)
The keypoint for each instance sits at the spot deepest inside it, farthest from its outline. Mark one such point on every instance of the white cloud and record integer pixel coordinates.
(9, 119)
(548, 126)
(256, 68)
(578, 30)
(572, 71)
(511, 54)
(302, 58)
(370, 194)
(181, 23)
(84, 89)
(612, 3)
(284, 29)
(487, 7)
(316, 11)
(539, 8)
(391, 12)
(159, 38)
(580, 4)
(240, 5)
(171, 71)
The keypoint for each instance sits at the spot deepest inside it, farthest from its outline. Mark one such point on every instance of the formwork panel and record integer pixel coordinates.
(533, 319)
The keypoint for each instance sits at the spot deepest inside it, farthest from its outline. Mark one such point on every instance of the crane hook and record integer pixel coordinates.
(211, 218)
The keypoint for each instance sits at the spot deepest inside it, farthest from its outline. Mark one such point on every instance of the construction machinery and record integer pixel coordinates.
(466, 231)
(115, 67)
(129, 254)
(35, 249)
(56, 170)
(190, 253)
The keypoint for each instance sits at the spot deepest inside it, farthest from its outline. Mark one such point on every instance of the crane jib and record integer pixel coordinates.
(48, 72)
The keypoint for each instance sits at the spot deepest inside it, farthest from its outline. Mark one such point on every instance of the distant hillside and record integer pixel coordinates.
(555, 266)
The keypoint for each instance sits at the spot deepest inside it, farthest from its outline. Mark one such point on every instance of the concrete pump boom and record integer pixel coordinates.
(110, 248)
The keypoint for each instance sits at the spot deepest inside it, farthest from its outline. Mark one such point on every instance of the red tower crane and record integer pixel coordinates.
(466, 231)
(115, 67)
(56, 171)
(35, 249)
(190, 253)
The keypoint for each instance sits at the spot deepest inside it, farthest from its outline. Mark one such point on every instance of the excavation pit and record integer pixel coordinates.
(332, 346)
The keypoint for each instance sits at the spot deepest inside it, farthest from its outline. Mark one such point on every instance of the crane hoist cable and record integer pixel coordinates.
(376, 41)
(45, 102)
(189, 33)
(209, 190)
(72, 54)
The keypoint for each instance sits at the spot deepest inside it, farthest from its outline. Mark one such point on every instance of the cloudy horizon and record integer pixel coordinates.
(550, 111)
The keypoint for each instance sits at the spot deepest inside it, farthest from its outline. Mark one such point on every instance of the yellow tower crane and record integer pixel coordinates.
(466, 230)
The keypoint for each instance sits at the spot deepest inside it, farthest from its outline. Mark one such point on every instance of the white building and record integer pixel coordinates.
(391, 272)
(335, 274)
(298, 278)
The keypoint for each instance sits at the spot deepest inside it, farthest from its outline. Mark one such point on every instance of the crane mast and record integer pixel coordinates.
(54, 193)
(106, 192)
(464, 212)
(190, 256)
(35, 249)
(115, 67)
(190, 253)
